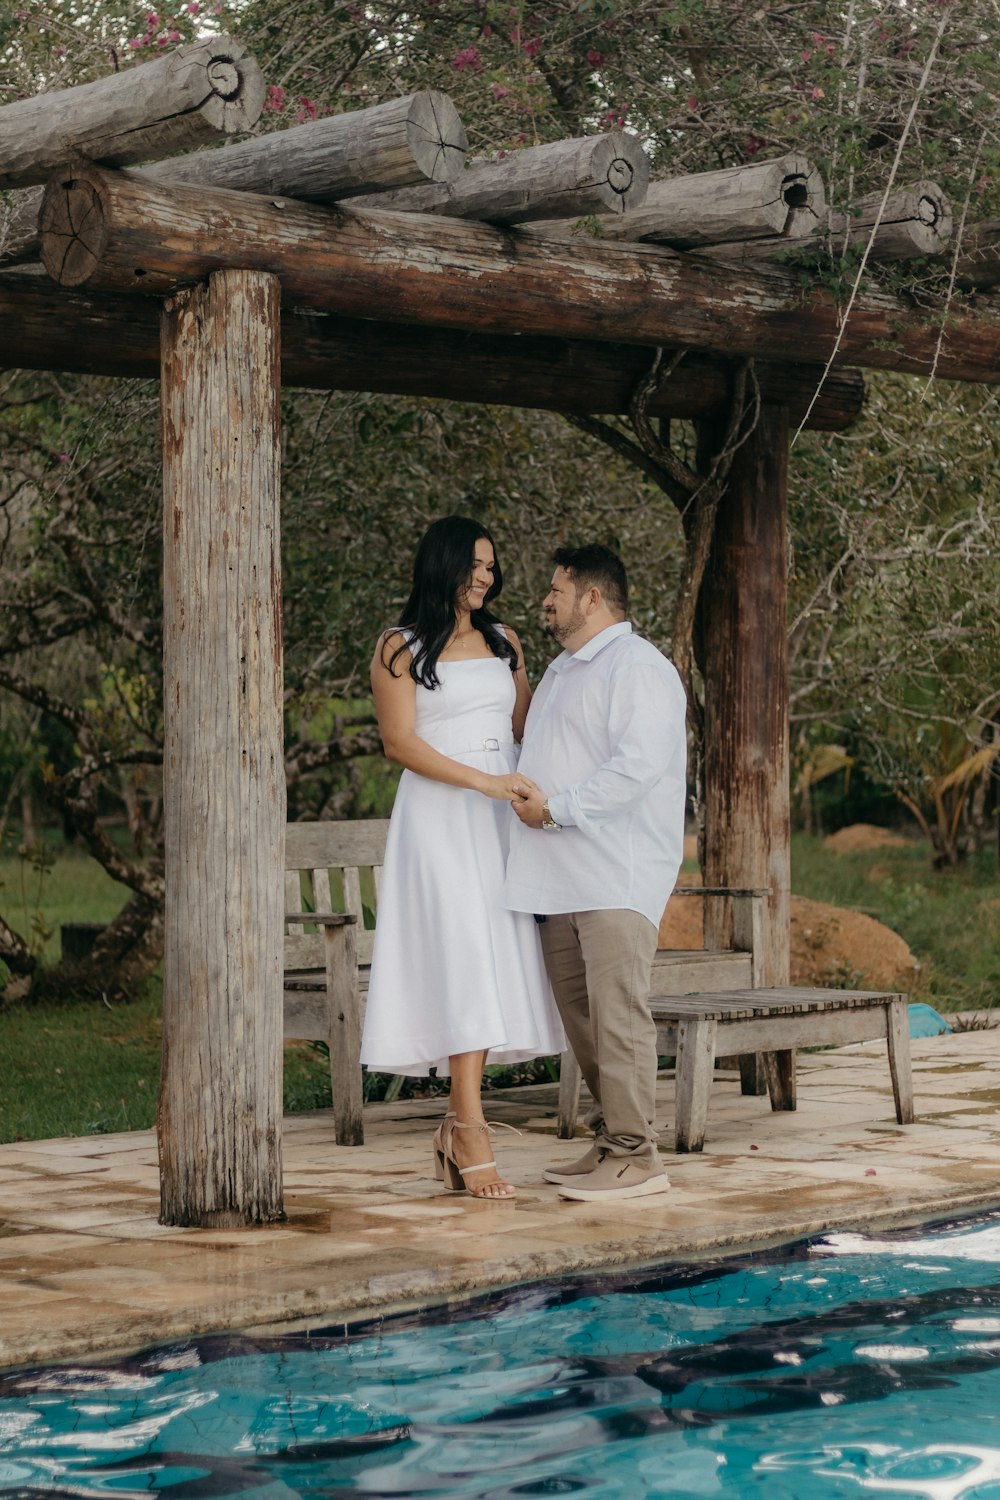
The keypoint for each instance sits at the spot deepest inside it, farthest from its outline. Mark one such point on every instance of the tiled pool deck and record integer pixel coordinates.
(86, 1269)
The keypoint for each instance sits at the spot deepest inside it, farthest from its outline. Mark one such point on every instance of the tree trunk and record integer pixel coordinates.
(224, 800)
(118, 230)
(194, 94)
(744, 635)
(112, 334)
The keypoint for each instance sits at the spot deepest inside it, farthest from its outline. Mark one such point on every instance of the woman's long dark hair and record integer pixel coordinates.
(441, 569)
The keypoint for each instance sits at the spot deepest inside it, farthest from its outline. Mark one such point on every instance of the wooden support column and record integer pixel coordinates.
(744, 640)
(224, 793)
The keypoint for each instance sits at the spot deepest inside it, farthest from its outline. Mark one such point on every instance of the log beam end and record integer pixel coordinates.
(73, 228)
(625, 168)
(235, 82)
(436, 136)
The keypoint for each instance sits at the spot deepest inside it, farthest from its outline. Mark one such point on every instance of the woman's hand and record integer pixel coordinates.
(510, 788)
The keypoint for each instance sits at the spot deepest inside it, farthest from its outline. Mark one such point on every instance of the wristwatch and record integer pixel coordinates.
(548, 821)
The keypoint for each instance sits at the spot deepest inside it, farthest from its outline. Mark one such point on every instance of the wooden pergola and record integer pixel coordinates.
(362, 252)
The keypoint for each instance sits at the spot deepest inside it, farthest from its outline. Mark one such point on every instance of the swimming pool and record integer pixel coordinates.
(847, 1366)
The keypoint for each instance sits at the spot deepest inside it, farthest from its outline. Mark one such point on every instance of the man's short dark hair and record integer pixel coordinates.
(595, 566)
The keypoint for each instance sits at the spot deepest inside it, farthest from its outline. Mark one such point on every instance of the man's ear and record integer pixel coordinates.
(594, 599)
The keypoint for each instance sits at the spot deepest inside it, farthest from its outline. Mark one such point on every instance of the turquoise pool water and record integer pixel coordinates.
(849, 1366)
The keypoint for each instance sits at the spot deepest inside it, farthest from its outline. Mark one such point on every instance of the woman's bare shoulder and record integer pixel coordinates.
(393, 642)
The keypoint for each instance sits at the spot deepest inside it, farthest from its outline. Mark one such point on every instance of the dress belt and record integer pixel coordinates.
(489, 742)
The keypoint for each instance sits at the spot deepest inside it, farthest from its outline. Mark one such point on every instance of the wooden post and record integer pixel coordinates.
(224, 793)
(744, 638)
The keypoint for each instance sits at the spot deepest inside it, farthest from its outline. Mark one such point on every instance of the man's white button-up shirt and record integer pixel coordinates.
(605, 740)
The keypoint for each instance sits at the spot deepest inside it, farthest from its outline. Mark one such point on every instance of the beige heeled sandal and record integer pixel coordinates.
(438, 1145)
(455, 1176)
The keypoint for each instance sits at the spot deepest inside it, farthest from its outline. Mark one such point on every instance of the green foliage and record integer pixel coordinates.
(48, 883)
(950, 919)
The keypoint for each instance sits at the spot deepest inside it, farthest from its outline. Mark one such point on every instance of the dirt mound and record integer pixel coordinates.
(829, 946)
(861, 836)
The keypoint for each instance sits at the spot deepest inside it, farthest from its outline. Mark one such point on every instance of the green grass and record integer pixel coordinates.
(75, 888)
(950, 919)
(78, 1069)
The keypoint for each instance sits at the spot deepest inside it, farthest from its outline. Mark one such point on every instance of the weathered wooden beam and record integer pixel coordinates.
(107, 333)
(783, 199)
(978, 264)
(194, 94)
(744, 663)
(105, 229)
(219, 1120)
(413, 139)
(916, 220)
(599, 174)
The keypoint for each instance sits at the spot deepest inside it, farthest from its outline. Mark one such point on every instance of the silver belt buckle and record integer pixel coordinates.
(491, 744)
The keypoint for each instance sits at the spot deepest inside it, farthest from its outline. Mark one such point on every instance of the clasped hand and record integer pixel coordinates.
(524, 795)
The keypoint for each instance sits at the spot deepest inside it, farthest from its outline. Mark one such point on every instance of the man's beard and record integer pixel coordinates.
(560, 632)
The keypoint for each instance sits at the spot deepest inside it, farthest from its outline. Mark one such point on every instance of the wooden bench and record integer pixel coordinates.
(327, 968)
(774, 1022)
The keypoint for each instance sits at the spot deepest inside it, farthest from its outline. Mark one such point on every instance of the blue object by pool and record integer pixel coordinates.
(855, 1366)
(925, 1020)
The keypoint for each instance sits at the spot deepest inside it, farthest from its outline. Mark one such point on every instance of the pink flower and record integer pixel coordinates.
(692, 105)
(806, 54)
(173, 36)
(64, 458)
(467, 58)
(152, 20)
(487, 32)
(307, 110)
(498, 91)
(192, 7)
(596, 59)
(275, 100)
(753, 145)
(870, 1172)
(136, 42)
(816, 93)
(532, 48)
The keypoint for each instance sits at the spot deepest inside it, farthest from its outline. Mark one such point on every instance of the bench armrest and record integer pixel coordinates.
(749, 913)
(321, 918)
(721, 890)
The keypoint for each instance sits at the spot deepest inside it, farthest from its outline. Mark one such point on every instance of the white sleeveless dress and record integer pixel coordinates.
(453, 970)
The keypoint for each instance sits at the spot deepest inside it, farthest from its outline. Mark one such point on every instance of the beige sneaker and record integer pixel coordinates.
(617, 1177)
(574, 1169)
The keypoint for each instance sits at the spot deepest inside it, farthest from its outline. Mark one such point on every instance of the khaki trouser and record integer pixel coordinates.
(599, 964)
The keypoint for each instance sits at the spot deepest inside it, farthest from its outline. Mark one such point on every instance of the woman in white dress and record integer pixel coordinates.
(455, 975)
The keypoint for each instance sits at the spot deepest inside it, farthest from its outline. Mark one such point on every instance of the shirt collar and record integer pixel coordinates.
(590, 648)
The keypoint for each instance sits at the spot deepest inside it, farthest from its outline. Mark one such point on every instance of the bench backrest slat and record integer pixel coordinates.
(314, 851)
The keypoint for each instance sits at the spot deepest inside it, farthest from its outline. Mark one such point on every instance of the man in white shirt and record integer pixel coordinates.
(596, 852)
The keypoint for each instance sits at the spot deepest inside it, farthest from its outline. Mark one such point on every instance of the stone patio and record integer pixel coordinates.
(86, 1269)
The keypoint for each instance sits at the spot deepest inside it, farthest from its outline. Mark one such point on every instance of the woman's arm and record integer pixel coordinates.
(396, 707)
(521, 685)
